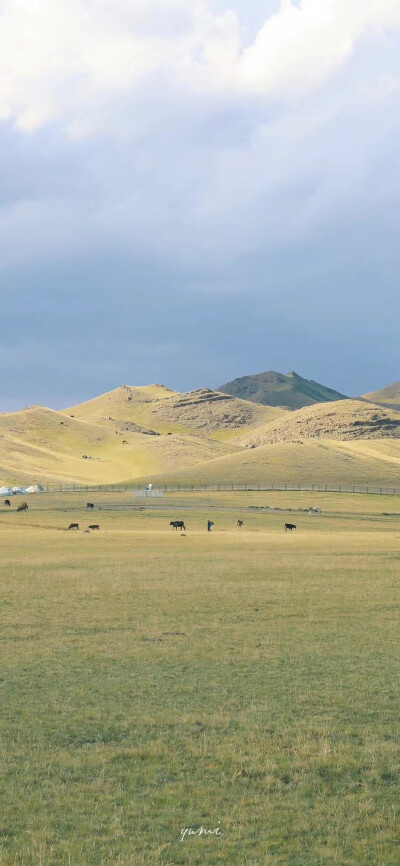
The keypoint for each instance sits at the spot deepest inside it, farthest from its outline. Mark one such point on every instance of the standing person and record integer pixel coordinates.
(209, 525)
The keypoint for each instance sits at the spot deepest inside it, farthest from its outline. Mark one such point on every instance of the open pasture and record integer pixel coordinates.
(153, 681)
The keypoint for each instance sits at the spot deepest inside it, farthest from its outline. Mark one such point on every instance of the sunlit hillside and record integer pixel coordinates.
(363, 462)
(123, 404)
(155, 408)
(38, 445)
(343, 420)
(389, 396)
(154, 433)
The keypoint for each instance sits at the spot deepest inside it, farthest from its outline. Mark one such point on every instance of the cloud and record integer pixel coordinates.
(180, 171)
(297, 48)
(71, 62)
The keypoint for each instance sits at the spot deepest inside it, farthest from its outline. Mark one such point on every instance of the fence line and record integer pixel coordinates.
(196, 488)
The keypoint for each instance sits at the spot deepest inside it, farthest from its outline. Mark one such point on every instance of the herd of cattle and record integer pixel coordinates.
(176, 524)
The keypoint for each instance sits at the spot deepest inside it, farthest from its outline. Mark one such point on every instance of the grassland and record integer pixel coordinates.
(374, 462)
(248, 679)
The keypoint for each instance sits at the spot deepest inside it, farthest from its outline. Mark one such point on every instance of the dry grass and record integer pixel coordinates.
(152, 682)
(342, 420)
(374, 463)
(165, 411)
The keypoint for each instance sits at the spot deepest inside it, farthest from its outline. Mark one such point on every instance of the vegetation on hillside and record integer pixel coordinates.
(389, 396)
(279, 389)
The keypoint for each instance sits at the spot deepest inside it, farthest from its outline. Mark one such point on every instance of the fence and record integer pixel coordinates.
(136, 489)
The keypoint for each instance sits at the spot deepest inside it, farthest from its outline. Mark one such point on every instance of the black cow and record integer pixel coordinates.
(73, 526)
(94, 526)
(289, 526)
(7, 502)
(177, 524)
(89, 505)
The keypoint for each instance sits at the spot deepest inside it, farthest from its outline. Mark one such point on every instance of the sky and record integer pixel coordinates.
(196, 190)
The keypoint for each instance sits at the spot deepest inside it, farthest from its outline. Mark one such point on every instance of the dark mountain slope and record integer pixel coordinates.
(279, 389)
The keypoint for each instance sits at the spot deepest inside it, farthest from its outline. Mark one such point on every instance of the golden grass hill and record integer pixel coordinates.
(266, 427)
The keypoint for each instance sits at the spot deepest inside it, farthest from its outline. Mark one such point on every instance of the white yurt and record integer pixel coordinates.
(35, 488)
(6, 491)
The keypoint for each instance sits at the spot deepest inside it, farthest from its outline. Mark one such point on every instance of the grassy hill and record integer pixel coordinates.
(41, 445)
(346, 419)
(279, 389)
(123, 404)
(389, 396)
(158, 409)
(375, 463)
(137, 433)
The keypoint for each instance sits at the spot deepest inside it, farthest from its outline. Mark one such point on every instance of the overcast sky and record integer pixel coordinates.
(195, 190)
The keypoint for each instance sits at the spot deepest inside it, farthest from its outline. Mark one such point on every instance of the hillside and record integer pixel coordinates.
(211, 412)
(325, 461)
(124, 404)
(279, 389)
(39, 445)
(344, 420)
(389, 396)
(159, 410)
(137, 433)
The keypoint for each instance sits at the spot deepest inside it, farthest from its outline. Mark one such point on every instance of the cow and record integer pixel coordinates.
(90, 505)
(177, 524)
(7, 502)
(73, 526)
(289, 526)
(239, 523)
(23, 507)
(94, 526)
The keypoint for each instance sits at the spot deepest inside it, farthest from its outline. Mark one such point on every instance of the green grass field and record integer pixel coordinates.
(246, 680)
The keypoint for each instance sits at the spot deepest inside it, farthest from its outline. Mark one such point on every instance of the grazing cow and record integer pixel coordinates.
(73, 526)
(210, 524)
(289, 526)
(177, 524)
(23, 507)
(94, 526)
(7, 502)
(90, 505)
(239, 523)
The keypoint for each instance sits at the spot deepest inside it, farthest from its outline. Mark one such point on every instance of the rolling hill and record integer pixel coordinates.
(134, 433)
(375, 463)
(39, 445)
(389, 396)
(159, 410)
(344, 420)
(288, 390)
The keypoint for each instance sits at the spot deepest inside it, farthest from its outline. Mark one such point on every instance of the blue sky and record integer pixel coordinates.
(193, 190)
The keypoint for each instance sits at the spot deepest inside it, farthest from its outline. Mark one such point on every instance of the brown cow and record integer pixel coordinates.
(23, 507)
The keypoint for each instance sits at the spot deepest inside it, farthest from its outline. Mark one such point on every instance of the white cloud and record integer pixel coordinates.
(71, 62)
(302, 44)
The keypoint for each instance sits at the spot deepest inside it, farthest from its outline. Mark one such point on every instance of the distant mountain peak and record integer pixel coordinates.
(289, 390)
